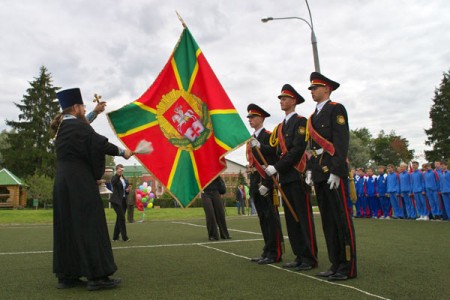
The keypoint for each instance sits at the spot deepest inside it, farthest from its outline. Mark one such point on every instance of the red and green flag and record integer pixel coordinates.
(189, 119)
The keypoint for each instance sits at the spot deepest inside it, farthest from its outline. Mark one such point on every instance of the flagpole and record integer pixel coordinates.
(283, 195)
(181, 19)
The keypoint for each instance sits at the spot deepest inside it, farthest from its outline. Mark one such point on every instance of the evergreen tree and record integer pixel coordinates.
(30, 150)
(439, 133)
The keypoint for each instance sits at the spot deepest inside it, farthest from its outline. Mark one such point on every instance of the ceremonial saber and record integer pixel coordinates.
(285, 199)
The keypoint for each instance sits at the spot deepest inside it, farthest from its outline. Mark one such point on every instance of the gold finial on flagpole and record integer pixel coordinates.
(181, 19)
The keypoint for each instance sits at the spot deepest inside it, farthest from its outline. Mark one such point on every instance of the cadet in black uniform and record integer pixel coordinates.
(328, 134)
(289, 139)
(261, 187)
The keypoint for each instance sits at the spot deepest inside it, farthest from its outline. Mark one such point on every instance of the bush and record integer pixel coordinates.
(40, 187)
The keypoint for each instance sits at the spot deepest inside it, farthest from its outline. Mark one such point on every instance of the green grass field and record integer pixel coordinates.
(170, 257)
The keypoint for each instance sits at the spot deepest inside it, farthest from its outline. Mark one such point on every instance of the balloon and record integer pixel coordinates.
(140, 207)
(144, 190)
(151, 200)
(144, 199)
(139, 197)
(151, 195)
(145, 204)
(145, 184)
(149, 189)
(150, 205)
(141, 187)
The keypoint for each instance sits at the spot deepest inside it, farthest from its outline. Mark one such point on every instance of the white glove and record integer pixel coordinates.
(270, 170)
(308, 179)
(263, 190)
(255, 143)
(334, 181)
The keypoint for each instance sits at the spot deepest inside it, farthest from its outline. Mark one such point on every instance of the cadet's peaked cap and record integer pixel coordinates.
(289, 91)
(318, 79)
(256, 111)
(70, 97)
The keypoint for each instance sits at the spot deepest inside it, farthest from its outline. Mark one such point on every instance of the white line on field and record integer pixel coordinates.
(207, 245)
(142, 246)
(203, 226)
(297, 273)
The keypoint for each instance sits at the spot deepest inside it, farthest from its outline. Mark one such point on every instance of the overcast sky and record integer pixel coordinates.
(389, 56)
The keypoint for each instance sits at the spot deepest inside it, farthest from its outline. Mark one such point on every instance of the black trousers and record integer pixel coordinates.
(120, 227)
(302, 234)
(269, 221)
(337, 228)
(215, 215)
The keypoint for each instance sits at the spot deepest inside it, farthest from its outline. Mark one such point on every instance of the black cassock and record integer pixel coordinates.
(81, 244)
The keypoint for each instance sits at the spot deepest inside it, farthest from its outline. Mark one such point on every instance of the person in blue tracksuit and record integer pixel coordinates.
(406, 191)
(393, 189)
(444, 177)
(438, 168)
(383, 201)
(371, 190)
(418, 189)
(361, 198)
(432, 186)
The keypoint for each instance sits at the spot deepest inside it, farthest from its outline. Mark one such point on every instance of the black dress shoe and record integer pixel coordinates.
(213, 238)
(325, 273)
(69, 283)
(256, 259)
(337, 276)
(266, 261)
(304, 267)
(104, 283)
(293, 264)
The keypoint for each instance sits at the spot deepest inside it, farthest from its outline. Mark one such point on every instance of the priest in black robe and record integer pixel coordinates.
(81, 245)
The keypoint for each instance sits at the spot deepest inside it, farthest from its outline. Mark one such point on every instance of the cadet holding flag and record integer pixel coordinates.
(261, 187)
(289, 139)
(328, 137)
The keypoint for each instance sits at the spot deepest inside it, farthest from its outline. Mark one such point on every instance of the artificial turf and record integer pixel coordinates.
(172, 259)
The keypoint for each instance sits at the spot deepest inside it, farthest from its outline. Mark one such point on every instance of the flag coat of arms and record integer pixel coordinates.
(189, 119)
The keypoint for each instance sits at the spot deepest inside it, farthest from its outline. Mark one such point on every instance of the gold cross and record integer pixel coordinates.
(97, 98)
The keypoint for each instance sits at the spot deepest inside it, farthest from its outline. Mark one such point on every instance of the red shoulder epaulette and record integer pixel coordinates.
(333, 103)
(267, 131)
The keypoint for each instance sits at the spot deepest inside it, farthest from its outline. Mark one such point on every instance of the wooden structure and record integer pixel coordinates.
(13, 192)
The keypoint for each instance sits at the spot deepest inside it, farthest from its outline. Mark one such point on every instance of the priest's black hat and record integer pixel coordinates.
(69, 97)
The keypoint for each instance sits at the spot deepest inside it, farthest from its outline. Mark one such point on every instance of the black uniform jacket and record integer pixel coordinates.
(294, 132)
(269, 154)
(332, 124)
(117, 186)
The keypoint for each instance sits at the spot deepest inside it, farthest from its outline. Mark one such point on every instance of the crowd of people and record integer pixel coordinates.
(403, 192)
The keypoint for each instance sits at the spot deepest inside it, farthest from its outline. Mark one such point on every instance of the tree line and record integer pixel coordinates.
(27, 151)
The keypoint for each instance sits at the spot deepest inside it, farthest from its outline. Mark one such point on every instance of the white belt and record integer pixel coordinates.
(317, 151)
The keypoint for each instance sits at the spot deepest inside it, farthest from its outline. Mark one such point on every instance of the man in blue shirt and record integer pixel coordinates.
(371, 194)
(360, 204)
(418, 189)
(406, 191)
(393, 189)
(432, 186)
(444, 177)
(384, 202)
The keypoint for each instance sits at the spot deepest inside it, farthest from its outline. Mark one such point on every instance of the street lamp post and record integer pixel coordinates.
(313, 35)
